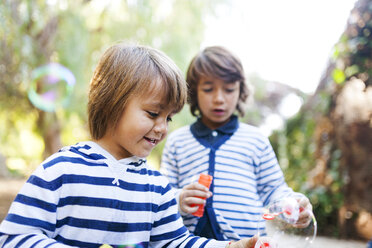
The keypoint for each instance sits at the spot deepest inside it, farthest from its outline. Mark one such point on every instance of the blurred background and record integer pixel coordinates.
(308, 63)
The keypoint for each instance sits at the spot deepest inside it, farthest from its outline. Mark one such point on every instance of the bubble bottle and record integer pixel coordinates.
(205, 180)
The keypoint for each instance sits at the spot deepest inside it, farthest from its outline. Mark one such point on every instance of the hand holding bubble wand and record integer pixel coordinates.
(289, 222)
(205, 180)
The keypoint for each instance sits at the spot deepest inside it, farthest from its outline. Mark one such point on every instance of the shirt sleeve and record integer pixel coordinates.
(31, 219)
(168, 165)
(271, 184)
(169, 231)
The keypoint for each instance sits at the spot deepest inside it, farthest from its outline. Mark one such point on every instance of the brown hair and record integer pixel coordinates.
(215, 62)
(123, 71)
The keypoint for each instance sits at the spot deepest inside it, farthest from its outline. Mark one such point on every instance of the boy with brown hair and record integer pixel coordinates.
(246, 174)
(102, 191)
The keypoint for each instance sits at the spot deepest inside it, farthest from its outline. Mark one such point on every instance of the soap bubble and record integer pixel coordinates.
(51, 87)
(287, 225)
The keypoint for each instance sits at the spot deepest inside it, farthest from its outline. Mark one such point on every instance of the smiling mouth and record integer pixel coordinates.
(152, 141)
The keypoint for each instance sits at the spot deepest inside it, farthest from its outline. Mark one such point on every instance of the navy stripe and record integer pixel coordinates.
(104, 225)
(145, 171)
(234, 159)
(269, 160)
(106, 203)
(169, 235)
(64, 159)
(230, 187)
(50, 207)
(51, 244)
(9, 239)
(234, 195)
(166, 220)
(191, 242)
(52, 185)
(278, 177)
(30, 222)
(185, 172)
(244, 228)
(239, 212)
(93, 156)
(245, 144)
(167, 205)
(234, 173)
(35, 244)
(204, 244)
(237, 203)
(76, 243)
(22, 241)
(244, 221)
(71, 178)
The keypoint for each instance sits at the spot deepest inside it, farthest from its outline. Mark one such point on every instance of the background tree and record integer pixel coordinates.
(328, 145)
(74, 34)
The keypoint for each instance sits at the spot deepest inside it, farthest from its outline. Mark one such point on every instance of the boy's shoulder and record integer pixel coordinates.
(251, 131)
(249, 128)
(81, 152)
(180, 132)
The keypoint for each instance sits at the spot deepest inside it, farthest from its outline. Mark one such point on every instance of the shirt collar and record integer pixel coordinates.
(201, 130)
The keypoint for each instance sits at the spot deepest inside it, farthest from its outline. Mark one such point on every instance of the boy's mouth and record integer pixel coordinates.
(152, 141)
(218, 111)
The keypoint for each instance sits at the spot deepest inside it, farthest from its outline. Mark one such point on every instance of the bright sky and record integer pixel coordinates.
(288, 41)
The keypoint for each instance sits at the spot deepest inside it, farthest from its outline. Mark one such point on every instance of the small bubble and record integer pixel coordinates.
(51, 87)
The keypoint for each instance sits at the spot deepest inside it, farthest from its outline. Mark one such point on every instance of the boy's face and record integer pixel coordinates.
(217, 100)
(143, 124)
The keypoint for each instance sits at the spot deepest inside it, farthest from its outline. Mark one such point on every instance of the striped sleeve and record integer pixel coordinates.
(168, 229)
(32, 216)
(168, 165)
(270, 179)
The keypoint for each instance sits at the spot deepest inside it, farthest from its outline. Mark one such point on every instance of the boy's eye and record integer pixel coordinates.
(169, 119)
(230, 90)
(207, 89)
(152, 114)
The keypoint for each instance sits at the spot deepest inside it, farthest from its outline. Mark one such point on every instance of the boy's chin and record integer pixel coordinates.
(143, 154)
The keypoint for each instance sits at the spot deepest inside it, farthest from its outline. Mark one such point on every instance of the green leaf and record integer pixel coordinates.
(338, 76)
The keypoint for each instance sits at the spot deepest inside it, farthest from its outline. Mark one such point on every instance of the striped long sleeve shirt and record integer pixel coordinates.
(83, 197)
(246, 177)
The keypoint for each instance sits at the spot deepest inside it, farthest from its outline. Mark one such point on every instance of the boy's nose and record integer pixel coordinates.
(218, 96)
(161, 127)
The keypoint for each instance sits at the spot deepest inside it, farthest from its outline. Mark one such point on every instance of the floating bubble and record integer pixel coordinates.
(287, 225)
(51, 87)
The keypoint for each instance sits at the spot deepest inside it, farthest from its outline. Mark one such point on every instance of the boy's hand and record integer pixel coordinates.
(244, 243)
(191, 195)
(306, 213)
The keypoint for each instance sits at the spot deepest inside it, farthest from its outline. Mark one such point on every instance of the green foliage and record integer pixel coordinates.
(74, 34)
(298, 154)
(308, 146)
(338, 76)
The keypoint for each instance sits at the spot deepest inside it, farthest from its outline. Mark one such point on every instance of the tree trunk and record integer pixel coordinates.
(50, 130)
(351, 116)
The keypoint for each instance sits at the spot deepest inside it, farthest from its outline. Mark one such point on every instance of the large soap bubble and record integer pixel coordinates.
(287, 225)
(51, 87)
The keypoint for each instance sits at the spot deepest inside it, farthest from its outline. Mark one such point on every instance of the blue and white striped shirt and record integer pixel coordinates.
(246, 174)
(83, 197)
